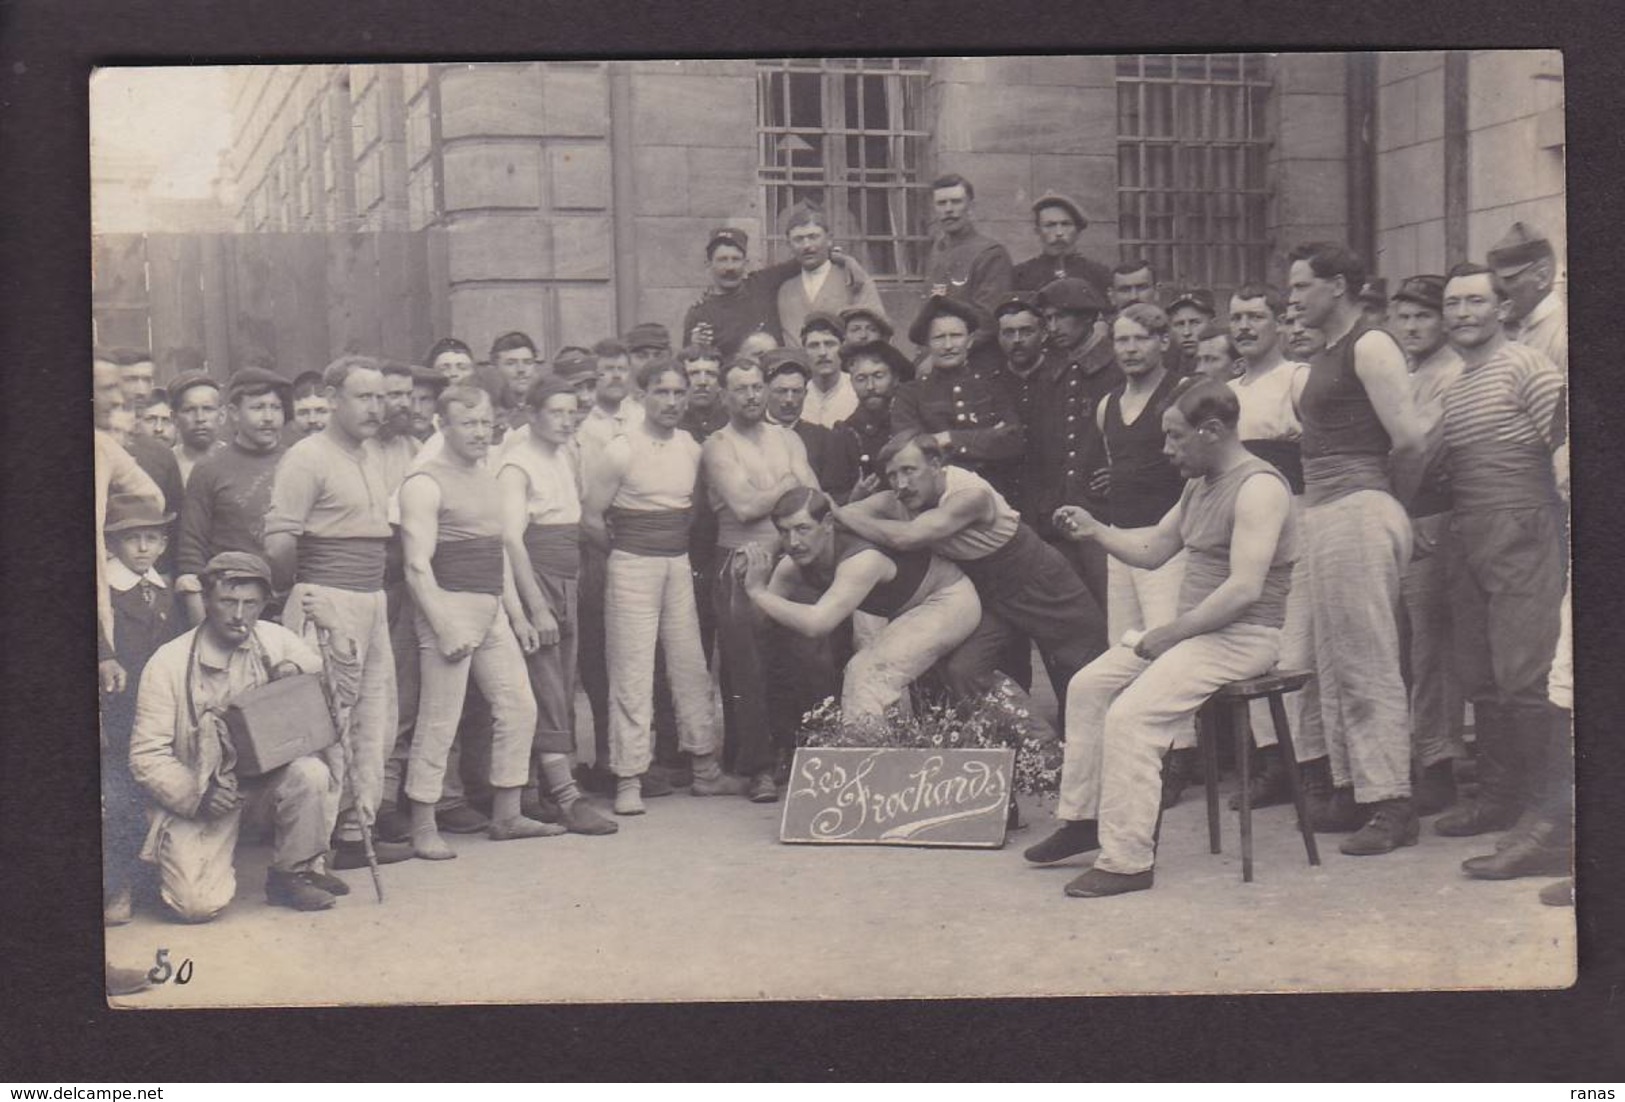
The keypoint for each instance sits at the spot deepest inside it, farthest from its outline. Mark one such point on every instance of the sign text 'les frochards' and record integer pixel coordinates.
(901, 797)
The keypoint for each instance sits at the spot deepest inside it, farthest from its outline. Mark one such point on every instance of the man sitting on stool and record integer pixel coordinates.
(1125, 709)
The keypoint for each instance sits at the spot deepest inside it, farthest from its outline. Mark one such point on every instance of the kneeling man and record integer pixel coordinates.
(828, 573)
(182, 756)
(1125, 709)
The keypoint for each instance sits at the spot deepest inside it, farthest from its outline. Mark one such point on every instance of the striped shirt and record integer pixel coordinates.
(1500, 428)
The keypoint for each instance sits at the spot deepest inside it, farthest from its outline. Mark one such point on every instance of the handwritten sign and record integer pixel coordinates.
(898, 797)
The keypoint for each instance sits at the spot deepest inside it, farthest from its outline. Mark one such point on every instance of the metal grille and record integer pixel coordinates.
(1192, 152)
(848, 134)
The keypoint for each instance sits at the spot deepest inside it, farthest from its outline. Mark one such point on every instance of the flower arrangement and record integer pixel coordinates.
(1000, 718)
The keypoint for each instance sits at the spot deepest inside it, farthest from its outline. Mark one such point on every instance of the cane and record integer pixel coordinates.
(342, 724)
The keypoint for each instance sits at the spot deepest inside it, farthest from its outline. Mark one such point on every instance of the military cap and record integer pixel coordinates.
(1375, 291)
(1016, 302)
(1056, 199)
(236, 565)
(649, 334)
(943, 306)
(727, 235)
(1522, 246)
(818, 319)
(888, 353)
(1071, 293)
(775, 361)
(1199, 297)
(1424, 290)
(127, 511)
(799, 215)
(572, 363)
(182, 383)
(882, 322)
(253, 378)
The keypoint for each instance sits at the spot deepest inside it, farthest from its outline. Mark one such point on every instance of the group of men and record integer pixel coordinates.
(1159, 500)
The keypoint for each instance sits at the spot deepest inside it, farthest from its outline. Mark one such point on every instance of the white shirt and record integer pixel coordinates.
(829, 409)
(122, 579)
(1267, 409)
(812, 282)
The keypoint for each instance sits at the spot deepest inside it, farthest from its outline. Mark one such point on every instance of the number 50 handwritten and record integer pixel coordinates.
(162, 971)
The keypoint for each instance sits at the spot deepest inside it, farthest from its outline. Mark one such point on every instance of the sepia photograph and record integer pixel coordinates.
(814, 528)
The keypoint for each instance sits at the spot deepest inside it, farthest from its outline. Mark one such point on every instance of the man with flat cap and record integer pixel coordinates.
(1527, 265)
(966, 411)
(1058, 220)
(824, 287)
(876, 369)
(862, 324)
(195, 398)
(229, 492)
(181, 754)
(1191, 311)
(646, 342)
(1066, 455)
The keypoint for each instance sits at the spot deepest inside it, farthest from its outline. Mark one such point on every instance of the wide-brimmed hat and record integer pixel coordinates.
(126, 511)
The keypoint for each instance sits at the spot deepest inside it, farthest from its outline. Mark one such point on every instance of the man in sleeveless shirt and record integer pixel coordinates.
(325, 535)
(1025, 584)
(639, 503)
(541, 505)
(827, 574)
(1503, 419)
(749, 464)
(1128, 707)
(1357, 419)
(469, 622)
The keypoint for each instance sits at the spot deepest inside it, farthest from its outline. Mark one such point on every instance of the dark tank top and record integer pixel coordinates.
(888, 598)
(1144, 483)
(1337, 415)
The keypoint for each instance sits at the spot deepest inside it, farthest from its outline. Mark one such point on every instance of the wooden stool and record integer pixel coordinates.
(1228, 707)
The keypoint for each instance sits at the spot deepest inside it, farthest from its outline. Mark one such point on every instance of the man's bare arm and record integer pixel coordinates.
(958, 512)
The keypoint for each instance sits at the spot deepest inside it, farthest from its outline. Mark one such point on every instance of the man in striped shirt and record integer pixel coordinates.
(1501, 425)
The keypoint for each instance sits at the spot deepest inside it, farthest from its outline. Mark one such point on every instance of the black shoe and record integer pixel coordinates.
(289, 889)
(351, 855)
(1542, 850)
(332, 885)
(1392, 824)
(461, 819)
(763, 790)
(1338, 815)
(1075, 836)
(1098, 882)
(1178, 769)
(1268, 787)
(1434, 788)
(1478, 816)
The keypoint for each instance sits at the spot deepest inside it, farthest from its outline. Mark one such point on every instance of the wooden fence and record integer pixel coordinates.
(296, 299)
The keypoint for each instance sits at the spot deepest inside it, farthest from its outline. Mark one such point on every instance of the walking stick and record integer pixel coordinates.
(341, 722)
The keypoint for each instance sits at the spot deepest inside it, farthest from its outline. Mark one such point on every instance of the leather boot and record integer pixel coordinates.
(1541, 850)
(1391, 824)
(1500, 797)
(1269, 786)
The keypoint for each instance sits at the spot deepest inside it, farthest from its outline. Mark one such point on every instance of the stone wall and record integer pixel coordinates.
(1308, 161)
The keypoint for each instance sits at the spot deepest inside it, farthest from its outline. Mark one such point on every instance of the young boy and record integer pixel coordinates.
(143, 620)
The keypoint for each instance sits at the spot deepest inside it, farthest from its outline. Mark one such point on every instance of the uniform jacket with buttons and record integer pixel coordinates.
(968, 404)
(1064, 446)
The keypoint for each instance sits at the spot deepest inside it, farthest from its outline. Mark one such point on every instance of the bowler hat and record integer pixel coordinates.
(882, 322)
(1522, 246)
(234, 565)
(126, 511)
(943, 306)
(1424, 290)
(1071, 293)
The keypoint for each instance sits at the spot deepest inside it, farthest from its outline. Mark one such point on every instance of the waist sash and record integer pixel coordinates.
(469, 566)
(1329, 477)
(554, 549)
(351, 562)
(660, 532)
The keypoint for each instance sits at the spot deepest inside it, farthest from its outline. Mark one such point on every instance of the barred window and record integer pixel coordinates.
(848, 134)
(1192, 152)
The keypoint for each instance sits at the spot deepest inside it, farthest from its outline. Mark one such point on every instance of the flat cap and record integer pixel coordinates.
(126, 511)
(252, 378)
(1522, 246)
(727, 235)
(943, 306)
(648, 334)
(572, 363)
(1424, 290)
(818, 319)
(1016, 302)
(1056, 199)
(882, 322)
(232, 565)
(884, 351)
(1199, 297)
(182, 383)
(776, 360)
(1071, 293)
